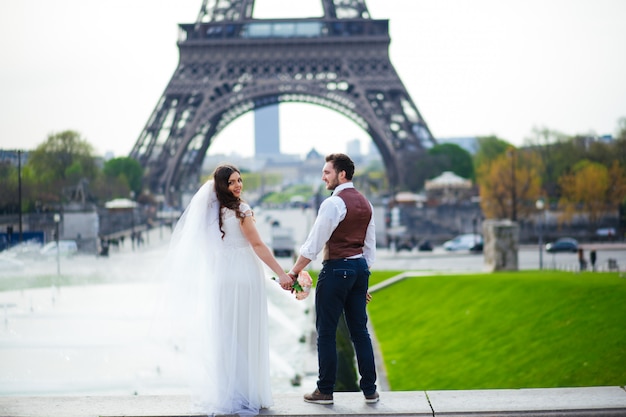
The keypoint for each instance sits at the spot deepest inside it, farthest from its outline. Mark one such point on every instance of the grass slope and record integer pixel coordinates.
(502, 330)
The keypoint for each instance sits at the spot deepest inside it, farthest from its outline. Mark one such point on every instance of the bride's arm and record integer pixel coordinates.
(251, 233)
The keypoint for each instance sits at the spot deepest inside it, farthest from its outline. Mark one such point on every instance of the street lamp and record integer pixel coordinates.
(512, 154)
(540, 206)
(57, 219)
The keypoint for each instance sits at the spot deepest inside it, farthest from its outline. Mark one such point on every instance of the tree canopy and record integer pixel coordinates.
(64, 157)
(451, 157)
(593, 189)
(127, 170)
(489, 148)
(509, 185)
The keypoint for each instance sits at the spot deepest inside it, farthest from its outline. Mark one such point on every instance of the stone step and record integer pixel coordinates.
(584, 401)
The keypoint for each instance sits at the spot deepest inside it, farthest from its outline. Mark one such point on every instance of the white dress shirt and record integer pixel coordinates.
(331, 212)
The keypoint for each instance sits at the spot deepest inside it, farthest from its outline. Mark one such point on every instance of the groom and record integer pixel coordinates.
(345, 229)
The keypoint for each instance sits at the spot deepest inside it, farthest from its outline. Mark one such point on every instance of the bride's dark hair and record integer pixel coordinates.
(221, 175)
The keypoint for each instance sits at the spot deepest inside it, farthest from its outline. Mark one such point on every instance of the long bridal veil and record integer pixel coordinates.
(188, 261)
(188, 303)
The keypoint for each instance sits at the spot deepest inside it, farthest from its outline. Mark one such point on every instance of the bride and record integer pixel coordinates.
(219, 290)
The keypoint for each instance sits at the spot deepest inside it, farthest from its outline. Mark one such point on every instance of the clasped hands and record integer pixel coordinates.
(286, 280)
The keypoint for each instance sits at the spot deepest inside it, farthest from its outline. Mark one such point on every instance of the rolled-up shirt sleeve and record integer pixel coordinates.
(331, 212)
(369, 249)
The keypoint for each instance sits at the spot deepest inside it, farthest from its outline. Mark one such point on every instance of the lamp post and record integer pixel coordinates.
(512, 154)
(540, 206)
(57, 219)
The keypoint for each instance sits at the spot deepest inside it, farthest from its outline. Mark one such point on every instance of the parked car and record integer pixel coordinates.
(478, 247)
(404, 243)
(66, 248)
(564, 244)
(466, 241)
(425, 246)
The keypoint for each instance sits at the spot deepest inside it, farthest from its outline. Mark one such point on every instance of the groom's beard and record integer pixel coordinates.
(331, 185)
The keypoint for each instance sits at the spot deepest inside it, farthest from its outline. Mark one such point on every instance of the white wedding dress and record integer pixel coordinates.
(219, 291)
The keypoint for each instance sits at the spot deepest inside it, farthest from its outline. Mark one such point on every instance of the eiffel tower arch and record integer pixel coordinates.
(231, 63)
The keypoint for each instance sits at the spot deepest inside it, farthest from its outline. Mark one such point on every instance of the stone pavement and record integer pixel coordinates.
(588, 401)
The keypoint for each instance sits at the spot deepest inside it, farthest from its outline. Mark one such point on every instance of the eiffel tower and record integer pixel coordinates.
(231, 63)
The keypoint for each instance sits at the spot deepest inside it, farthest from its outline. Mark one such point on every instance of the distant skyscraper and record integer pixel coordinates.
(353, 147)
(266, 131)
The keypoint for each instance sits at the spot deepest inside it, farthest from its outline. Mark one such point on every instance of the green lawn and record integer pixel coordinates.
(502, 330)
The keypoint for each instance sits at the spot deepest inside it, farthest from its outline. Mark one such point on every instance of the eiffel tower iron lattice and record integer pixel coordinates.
(231, 63)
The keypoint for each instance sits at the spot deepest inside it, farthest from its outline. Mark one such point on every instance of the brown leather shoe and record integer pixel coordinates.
(318, 398)
(372, 398)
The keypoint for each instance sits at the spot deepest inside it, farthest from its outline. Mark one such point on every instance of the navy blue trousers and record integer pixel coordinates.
(342, 286)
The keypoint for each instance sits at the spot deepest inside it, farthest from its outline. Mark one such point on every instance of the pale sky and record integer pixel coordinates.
(473, 68)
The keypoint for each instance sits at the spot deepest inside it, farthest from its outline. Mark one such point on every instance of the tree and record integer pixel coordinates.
(33, 193)
(592, 189)
(510, 185)
(127, 170)
(105, 189)
(451, 157)
(8, 188)
(489, 148)
(422, 169)
(63, 158)
(617, 185)
(559, 153)
(601, 152)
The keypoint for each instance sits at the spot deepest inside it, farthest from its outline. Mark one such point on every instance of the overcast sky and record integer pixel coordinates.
(473, 68)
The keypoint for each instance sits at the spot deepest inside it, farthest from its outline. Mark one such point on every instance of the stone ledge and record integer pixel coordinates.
(583, 401)
(586, 401)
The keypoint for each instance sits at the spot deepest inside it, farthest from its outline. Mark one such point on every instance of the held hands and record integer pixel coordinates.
(286, 281)
(291, 277)
(294, 277)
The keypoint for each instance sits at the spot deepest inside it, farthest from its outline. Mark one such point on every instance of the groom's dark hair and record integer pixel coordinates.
(342, 162)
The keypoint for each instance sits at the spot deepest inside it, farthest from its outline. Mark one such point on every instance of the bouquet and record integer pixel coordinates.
(302, 286)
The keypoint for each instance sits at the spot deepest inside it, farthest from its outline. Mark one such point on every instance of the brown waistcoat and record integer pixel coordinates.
(348, 238)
